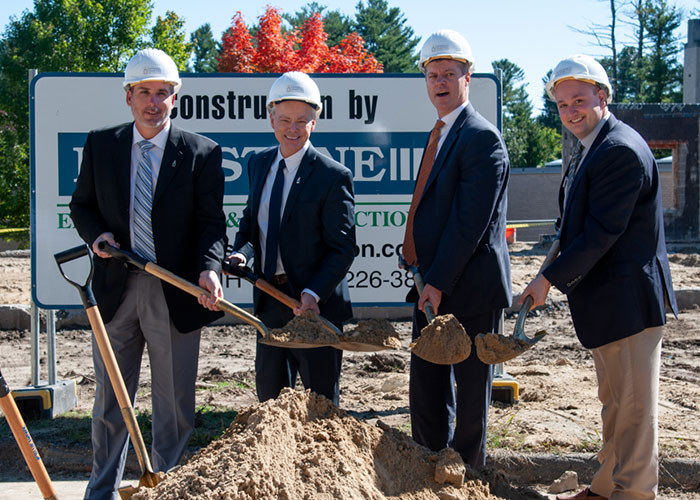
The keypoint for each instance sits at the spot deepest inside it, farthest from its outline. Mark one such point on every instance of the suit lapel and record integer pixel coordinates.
(303, 173)
(602, 134)
(122, 165)
(172, 159)
(447, 145)
(259, 181)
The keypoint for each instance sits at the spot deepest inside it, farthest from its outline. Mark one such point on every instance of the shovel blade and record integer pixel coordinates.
(493, 348)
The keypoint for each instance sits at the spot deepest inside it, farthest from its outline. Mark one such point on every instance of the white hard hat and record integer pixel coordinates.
(295, 86)
(151, 65)
(579, 67)
(446, 44)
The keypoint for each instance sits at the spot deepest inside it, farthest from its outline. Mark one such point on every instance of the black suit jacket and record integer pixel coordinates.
(317, 229)
(613, 264)
(459, 226)
(189, 229)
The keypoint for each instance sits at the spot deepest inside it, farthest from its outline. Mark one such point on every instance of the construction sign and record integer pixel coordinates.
(376, 125)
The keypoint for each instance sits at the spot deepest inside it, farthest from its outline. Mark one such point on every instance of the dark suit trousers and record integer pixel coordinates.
(278, 367)
(443, 417)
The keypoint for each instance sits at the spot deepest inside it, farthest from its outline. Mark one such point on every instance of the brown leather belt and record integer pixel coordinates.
(279, 279)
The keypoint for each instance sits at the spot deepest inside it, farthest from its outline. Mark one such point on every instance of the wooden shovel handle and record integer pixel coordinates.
(117, 381)
(25, 443)
(277, 294)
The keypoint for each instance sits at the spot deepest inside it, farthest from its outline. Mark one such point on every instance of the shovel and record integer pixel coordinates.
(343, 343)
(182, 284)
(444, 341)
(24, 441)
(148, 478)
(493, 348)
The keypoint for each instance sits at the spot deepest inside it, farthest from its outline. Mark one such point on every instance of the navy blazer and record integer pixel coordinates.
(613, 265)
(459, 225)
(189, 229)
(317, 229)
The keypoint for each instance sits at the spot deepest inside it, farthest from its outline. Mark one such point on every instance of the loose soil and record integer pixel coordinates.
(443, 341)
(557, 413)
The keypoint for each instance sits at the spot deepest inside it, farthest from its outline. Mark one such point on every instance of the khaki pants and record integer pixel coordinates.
(628, 387)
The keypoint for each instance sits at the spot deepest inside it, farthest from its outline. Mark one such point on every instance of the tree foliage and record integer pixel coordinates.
(530, 143)
(168, 34)
(205, 50)
(387, 36)
(14, 176)
(336, 25)
(272, 50)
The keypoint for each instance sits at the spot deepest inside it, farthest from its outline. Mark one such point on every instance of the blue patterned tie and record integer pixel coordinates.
(143, 202)
(273, 224)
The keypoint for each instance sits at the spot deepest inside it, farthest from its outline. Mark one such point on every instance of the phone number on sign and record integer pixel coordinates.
(377, 279)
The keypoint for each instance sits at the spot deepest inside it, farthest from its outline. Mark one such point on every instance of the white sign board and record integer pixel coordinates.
(376, 125)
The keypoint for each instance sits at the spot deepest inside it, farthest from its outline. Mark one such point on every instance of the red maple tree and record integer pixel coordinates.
(299, 50)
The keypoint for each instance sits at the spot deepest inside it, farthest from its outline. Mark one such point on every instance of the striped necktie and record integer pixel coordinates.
(143, 201)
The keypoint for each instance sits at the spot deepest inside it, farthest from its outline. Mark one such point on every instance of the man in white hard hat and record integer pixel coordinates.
(614, 270)
(299, 228)
(455, 234)
(149, 187)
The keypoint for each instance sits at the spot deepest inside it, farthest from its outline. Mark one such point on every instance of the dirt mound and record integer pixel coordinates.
(301, 446)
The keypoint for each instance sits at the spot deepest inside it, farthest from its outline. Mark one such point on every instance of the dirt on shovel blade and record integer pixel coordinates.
(305, 329)
(493, 348)
(443, 341)
(377, 332)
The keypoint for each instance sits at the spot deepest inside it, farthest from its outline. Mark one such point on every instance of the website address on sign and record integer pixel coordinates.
(369, 250)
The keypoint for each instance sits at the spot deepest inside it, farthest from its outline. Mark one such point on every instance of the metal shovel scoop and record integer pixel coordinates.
(493, 348)
(444, 341)
(341, 341)
(182, 284)
(148, 479)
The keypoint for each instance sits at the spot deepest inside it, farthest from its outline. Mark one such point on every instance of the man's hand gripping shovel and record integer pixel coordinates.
(493, 348)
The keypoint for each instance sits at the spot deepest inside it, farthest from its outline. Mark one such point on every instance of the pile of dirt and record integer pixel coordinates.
(443, 341)
(377, 332)
(301, 446)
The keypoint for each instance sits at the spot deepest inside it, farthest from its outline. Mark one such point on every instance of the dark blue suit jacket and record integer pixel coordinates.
(189, 228)
(460, 223)
(317, 229)
(613, 265)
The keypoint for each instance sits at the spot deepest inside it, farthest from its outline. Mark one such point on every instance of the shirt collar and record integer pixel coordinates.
(292, 162)
(451, 117)
(159, 140)
(588, 140)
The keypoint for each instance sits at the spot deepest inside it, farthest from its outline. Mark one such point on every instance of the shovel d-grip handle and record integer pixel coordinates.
(84, 289)
(182, 284)
(25, 442)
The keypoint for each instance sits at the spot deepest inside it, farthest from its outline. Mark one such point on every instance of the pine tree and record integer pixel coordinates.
(205, 50)
(387, 36)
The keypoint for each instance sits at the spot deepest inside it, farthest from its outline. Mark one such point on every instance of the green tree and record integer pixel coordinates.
(664, 75)
(59, 35)
(387, 36)
(205, 49)
(529, 142)
(549, 116)
(168, 35)
(14, 176)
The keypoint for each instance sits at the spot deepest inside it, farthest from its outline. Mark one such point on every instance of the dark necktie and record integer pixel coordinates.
(409, 247)
(572, 170)
(273, 223)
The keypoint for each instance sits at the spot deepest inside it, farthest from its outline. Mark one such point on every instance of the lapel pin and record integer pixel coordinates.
(298, 180)
(174, 164)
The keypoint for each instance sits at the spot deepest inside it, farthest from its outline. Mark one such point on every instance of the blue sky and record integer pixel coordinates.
(534, 34)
